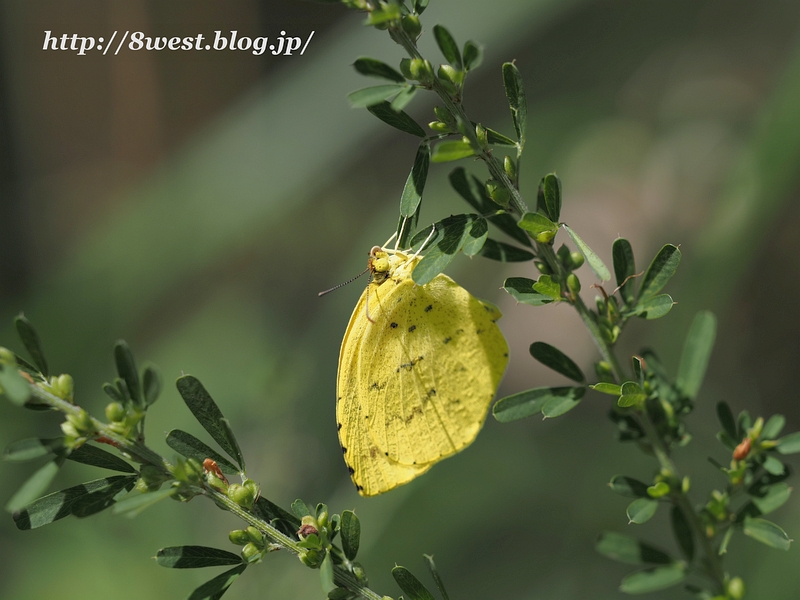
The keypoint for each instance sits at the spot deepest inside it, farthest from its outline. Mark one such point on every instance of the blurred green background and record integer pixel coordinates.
(194, 203)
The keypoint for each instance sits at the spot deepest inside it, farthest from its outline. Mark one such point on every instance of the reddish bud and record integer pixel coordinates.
(742, 450)
(211, 466)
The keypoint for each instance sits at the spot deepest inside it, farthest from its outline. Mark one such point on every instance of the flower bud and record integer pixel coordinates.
(439, 127)
(243, 496)
(253, 487)
(448, 73)
(743, 449)
(239, 537)
(405, 68)
(255, 535)
(64, 386)
(544, 269)
(7, 357)
(115, 412)
(510, 168)
(82, 422)
(421, 70)
(312, 558)
(251, 553)
(574, 284)
(497, 192)
(482, 135)
(575, 260)
(736, 588)
(69, 430)
(412, 26)
(359, 572)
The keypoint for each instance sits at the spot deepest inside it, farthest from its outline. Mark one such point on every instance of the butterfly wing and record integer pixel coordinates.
(416, 382)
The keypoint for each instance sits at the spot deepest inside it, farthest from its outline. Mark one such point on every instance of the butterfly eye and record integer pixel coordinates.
(380, 265)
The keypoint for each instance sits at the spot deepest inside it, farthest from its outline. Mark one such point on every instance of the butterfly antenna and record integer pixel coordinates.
(427, 239)
(366, 304)
(336, 287)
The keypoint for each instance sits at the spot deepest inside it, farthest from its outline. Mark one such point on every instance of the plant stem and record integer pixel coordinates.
(495, 167)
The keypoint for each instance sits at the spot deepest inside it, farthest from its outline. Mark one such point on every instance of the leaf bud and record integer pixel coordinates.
(7, 357)
(450, 74)
(412, 26)
(421, 70)
(359, 572)
(544, 269)
(251, 553)
(243, 496)
(115, 412)
(150, 478)
(444, 116)
(510, 167)
(601, 305)
(574, 284)
(253, 487)
(575, 260)
(69, 430)
(659, 490)
(239, 537)
(439, 127)
(736, 588)
(82, 422)
(755, 431)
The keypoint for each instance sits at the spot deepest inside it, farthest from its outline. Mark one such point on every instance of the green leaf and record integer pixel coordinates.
(789, 444)
(628, 550)
(723, 546)
(448, 46)
(214, 588)
(13, 386)
(628, 487)
(641, 510)
(97, 501)
(475, 238)
(189, 446)
(237, 451)
(285, 521)
(96, 457)
(195, 557)
(351, 534)
(773, 427)
(515, 93)
(776, 496)
(151, 384)
(744, 423)
(540, 227)
(495, 138)
(326, 574)
(660, 271)
(683, 532)
(374, 95)
(436, 577)
(530, 402)
(404, 98)
(651, 580)
(419, 5)
(654, 308)
(552, 357)
(30, 339)
(31, 448)
(134, 504)
(521, 288)
(58, 505)
(545, 285)
(767, 533)
(396, 118)
(372, 67)
(113, 392)
(410, 585)
(774, 466)
(551, 185)
(598, 267)
(34, 486)
(449, 151)
(632, 394)
(473, 55)
(612, 389)
(502, 252)
(624, 268)
(726, 419)
(300, 509)
(208, 414)
(126, 369)
(451, 235)
(555, 407)
(696, 352)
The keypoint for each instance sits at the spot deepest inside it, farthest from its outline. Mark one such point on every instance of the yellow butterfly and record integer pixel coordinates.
(418, 368)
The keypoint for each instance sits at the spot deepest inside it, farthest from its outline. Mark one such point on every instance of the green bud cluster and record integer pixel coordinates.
(245, 494)
(77, 428)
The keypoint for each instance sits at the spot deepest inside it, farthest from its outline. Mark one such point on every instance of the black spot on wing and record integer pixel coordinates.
(344, 450)
(412, 328)
(393, 325)
(447, 340)
(350, 469)
(338, 427)
(429, 308)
